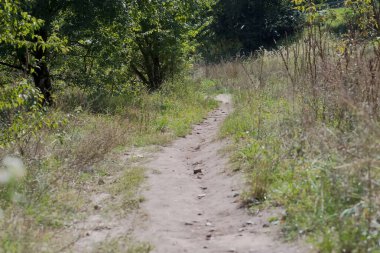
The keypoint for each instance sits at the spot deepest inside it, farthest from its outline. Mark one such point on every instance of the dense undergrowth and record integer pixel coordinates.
(64, 161)
(306, 133)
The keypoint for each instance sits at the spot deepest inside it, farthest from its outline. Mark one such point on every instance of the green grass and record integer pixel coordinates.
(295, 167)
(126, 187)
(65, 162)
(123, 245)
(338, 20)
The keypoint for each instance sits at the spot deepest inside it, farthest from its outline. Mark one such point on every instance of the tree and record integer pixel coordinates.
(366, 16)
(163, 36)
(105, 44)
(250, 24)
(60, 22)
(30, 43)
(17, 30)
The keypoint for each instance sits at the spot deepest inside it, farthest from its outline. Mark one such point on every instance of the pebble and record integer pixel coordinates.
(249, 222)
(197, 171)
(201, 196)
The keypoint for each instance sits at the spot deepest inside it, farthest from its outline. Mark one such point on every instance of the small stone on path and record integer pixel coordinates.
(197, 171)
(201, 196)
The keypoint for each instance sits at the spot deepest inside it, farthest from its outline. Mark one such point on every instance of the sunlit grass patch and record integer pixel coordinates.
(126, 187)
(123, 245)
(338, 20)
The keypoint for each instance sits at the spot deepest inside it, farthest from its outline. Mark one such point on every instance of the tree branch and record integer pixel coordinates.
(11, 66)
(139, 74)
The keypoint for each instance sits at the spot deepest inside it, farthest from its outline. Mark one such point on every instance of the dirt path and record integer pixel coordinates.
(187, 212)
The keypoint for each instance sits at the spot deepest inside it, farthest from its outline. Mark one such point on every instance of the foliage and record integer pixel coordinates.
(24, 41)
(244, 26)
(22, 116)
(361, 16)
(305, 131)
(17, 25)
(366, 16)
(164, 37)
(102, 45)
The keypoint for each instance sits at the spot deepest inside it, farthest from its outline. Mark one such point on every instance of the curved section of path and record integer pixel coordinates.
(192, 199)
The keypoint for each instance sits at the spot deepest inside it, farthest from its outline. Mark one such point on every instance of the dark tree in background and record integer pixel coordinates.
(250, 24)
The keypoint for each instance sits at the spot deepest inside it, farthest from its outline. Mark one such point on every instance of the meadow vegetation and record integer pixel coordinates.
(84, 144)
(306, 131)
(84, 83)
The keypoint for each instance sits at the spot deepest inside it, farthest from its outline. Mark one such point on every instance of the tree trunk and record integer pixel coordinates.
(157, 73)
(41, 73)
(376, 11)
(42, 81)
(151, 72)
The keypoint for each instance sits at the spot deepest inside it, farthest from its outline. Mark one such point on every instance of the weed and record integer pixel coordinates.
(305, 134)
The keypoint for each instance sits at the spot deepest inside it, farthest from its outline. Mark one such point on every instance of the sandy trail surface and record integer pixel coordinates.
(199, 212)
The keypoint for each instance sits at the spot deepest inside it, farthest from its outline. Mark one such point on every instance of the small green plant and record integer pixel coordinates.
(123, 245)
(23, 118)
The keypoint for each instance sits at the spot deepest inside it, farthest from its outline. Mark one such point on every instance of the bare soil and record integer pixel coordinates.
(188, 212)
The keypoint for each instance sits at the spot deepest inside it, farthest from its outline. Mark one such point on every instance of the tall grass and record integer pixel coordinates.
(306, 128)
(65, 164)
